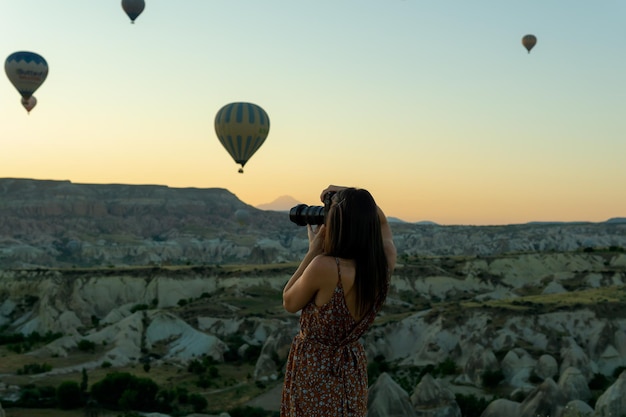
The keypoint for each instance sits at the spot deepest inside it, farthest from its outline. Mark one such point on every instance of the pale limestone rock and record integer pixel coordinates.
(9, 392)
(254, 330)
(265, 368)
(500, 293)
(554, 288)
(277, 345)
(116, 314)
(517, 366)
(577, 408)
(504, 340)
(594, 280)
(420, 343)
(387, 399)
(546, 367)
(545, 400)
(184, 342)
(480, 360)
(613, 401)
(220, 326)
(619, 260)
(620, 342)
(241, 350)
(574, 385)
(572, 355)
(524, 329)
(443, 287)
(432, 398)
(609, 360)
(502, 408)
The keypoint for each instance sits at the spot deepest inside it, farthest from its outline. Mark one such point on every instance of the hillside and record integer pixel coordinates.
(46, 224)
(511, 313)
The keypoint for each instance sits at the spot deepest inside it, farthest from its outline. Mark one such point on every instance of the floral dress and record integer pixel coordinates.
(326, 373)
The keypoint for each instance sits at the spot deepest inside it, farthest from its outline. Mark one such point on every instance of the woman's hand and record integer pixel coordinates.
(331, 188)
(316, 239)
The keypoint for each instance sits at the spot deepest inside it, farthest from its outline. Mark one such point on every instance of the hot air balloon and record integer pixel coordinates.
(29, 103)
(242, 129)
(26, 71)
(133, 8)
(242, 216)
(529, 41)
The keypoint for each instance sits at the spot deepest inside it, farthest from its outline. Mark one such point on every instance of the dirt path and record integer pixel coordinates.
(269, 400)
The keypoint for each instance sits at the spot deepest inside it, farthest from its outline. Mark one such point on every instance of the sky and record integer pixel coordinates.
(435, 107)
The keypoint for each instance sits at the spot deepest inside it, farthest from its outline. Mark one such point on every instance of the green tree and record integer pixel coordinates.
(69, 395)
(198, 402)
(86, 346)
(136, 393)
(84, 382)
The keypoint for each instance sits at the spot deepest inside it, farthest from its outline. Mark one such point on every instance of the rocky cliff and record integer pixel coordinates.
(63, 224)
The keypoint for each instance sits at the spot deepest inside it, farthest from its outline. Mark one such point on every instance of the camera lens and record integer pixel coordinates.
(303, 215)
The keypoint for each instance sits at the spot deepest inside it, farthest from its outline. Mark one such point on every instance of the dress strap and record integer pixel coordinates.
(338, 271)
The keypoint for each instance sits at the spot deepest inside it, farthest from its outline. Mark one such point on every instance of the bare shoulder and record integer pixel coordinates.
(323, 268)
(323, 263)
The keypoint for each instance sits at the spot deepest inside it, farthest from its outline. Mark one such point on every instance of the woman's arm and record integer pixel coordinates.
(303, 284)
(388, 246)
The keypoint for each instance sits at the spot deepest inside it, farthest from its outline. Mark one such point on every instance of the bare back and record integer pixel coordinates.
(345, 272)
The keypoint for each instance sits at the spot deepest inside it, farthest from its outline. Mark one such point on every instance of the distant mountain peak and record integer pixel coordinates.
(282, 203)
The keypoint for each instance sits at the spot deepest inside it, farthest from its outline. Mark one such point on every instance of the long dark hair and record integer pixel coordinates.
(353, 232)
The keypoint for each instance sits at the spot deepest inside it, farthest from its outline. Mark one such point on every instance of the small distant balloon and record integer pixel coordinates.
(133, 8)
(29, 103)
(242, 216)
(242, 129)
(529, 42)
(26, 71)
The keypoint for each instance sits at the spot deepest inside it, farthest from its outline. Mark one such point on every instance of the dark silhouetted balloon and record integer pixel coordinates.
(242, 129)
(133, 8)
(529, 42)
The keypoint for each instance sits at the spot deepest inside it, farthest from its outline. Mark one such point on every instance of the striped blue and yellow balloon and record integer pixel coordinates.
(26, 71)
(242, 129)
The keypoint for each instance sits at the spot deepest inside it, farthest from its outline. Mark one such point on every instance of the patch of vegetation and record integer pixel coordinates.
(123, 391)
(85, 345)
(32, 396)
(19, 343)
(34, 368)
(139, 307)
(446, 368)
(491, 379)
(69, 395)
(376, 367)
(472, 406)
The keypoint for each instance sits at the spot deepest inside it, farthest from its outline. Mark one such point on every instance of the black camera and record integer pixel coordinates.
(313, 215)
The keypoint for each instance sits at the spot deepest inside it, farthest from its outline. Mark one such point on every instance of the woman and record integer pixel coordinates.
(340, 286)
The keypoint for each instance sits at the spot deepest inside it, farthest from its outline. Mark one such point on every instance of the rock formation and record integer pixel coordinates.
(431, 398)
(502, 407)
(65, 224)
(613, 401)
(387, 399)
(547, 399)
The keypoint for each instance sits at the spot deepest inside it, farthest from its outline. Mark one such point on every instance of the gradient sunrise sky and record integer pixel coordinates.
(433, 106)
